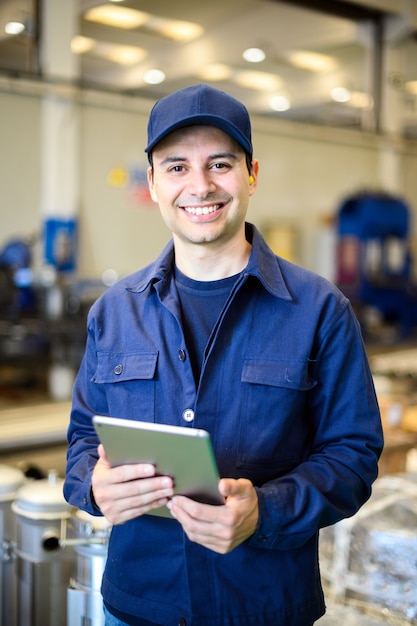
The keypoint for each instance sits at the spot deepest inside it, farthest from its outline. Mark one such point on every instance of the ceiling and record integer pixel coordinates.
(348, 34)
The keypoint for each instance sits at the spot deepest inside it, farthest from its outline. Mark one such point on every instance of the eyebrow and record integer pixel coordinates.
(217, 155)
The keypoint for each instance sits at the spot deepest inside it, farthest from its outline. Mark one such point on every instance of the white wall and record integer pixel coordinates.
(115, 231)
(19, 166)
(305, 173)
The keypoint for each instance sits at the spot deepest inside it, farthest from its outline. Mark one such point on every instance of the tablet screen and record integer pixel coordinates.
(185, 453)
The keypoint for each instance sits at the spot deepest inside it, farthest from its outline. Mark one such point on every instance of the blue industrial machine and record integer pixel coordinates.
(374, 264)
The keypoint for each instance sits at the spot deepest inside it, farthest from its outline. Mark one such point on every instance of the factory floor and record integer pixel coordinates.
(46, 449)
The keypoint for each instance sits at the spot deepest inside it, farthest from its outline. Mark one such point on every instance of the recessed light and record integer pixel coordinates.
(254, 55)
(312, 61)
(279, 103)
(356, 99)
(123, 55)
(258, 80)
(154, 77)
(118, 17)
(340, 94)
(215, 72)
(80, 44)
(14, 28)
(177, 30)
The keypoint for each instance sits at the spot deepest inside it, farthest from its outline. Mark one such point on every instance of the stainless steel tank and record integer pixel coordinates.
(43, 564)
(89, 536)
(11, 479)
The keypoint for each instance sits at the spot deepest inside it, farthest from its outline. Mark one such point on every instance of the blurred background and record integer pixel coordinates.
(331, 86)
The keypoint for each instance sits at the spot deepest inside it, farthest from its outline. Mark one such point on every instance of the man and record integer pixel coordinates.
(220, 334)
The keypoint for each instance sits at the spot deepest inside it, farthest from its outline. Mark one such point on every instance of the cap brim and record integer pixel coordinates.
(204, 120)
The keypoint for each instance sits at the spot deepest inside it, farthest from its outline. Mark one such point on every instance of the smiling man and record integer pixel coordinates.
(200, 180)
(220, 334)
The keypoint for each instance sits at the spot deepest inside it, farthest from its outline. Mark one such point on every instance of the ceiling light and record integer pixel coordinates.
(215, 72)
(177, 30)
(14, 28)
(123, 17)
(254, 55)
(258, 80)
(411, 87)
(312, 61)
(356, 99)
(340, 94)
(123, 55)
(118, 17)
(80, 45)
(279, 103)
(154, 77)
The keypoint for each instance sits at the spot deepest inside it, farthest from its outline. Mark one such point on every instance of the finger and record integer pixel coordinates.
(185, 508)
(121, 502)
(128, 473)
(122, 515)
(135, 493)
(210, 534)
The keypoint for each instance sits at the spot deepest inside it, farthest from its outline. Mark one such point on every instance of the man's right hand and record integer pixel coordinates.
(128, 491)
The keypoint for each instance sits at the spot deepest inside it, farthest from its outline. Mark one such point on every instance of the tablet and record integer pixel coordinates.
(184, 453)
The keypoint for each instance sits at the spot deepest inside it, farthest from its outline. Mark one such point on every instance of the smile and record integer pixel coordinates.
(206, 210)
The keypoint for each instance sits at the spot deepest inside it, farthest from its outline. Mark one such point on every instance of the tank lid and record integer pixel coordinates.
(42, 499)
(11, 479)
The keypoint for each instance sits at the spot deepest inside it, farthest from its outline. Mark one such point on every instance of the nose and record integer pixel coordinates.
(201, 183)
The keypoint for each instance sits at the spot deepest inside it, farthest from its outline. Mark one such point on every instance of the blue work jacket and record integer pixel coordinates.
(285, 392)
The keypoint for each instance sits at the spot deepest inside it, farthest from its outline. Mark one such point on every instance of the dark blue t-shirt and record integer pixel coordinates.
(201, 304)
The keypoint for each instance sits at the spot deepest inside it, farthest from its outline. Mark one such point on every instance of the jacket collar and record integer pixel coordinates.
(263, 264)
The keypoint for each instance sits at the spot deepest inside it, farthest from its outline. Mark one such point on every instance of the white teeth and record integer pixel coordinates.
(201, 210)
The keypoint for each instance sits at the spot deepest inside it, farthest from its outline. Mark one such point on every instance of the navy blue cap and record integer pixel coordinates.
(199, 105)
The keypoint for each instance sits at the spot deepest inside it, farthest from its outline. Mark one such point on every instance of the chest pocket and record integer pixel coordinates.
(274, 429)
(277, 373)
(128, 380)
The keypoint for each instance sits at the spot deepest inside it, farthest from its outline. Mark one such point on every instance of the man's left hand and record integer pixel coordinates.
(220, 528)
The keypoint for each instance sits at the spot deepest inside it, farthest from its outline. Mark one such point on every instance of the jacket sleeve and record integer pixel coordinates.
(336, 477)
(87, 401)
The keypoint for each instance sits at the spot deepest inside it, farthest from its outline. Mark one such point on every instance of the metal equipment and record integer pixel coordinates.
(11, 479)
(89, 536)
(43, 564)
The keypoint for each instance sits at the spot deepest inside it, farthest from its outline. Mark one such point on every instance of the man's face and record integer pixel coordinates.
(201, 183)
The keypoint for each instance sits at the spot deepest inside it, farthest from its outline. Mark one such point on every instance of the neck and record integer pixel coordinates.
(204, 263)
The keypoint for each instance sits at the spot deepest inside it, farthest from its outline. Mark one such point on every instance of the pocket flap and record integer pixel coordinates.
(113, 367)
(291, 374)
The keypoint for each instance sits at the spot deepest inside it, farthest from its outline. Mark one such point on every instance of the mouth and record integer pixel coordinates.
(202, 210)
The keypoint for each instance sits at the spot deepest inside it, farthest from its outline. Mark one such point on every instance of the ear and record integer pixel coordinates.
(253, 178)
(151, 184)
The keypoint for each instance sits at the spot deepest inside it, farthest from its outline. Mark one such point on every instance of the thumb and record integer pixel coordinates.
(102, 455)
(231, 487)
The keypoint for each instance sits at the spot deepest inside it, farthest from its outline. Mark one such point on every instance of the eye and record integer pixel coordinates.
(220, 166)
(177, 168)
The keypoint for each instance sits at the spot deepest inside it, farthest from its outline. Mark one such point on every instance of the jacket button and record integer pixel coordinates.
(182, 355)
(118, 369)
(188, 415)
